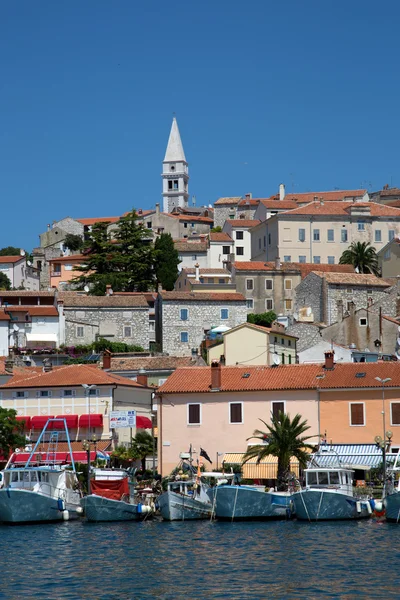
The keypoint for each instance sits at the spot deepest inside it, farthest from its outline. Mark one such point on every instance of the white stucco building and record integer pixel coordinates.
(19, 272)
(175, 175)
(239, 230)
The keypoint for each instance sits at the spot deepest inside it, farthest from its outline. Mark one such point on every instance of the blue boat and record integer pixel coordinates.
(244, 502)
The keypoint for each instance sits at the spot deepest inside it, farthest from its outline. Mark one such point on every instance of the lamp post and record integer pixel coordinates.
(86, 447)
(387, 435)
(319, 378)
(152, 416)
(86, 443)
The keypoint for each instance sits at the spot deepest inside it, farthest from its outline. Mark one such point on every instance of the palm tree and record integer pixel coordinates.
(142, 446)
(283, 441)
(362, 256)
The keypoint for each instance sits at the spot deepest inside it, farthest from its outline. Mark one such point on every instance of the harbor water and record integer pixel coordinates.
(200, 559)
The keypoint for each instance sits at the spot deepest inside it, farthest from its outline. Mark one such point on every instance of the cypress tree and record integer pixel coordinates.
(167, 261)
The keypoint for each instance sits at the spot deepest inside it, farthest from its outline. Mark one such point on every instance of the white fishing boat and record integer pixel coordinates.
(113, 498)
(391, 500)
(245, 502)
(44, 491)
(328, 493)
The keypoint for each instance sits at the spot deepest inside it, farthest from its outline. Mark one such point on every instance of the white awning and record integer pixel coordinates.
(41, 337)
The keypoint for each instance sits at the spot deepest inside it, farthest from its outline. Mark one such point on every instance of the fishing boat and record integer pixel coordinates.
(113, 498)
(245, 502)
(328, 493)
(41, 492)
(391, 500)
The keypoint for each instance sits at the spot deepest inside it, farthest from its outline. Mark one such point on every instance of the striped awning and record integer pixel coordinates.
(266, 469)
(356, 456)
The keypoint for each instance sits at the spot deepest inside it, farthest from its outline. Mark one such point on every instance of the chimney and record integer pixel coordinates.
(222, 359)
(282, 192)
(9, 365)
(106, 359)
(321, 201)
(140, 211)
(197, 276)
(215, 375)
(278, 264)
(248, 196)
(329, 364)
(142, 377)
(47, 365)
(157, 208)
(48, 226)
(109, 291)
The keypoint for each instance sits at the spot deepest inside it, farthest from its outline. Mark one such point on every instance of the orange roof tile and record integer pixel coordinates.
(284, 377)
(279, 204)
(353, 279)
(343, 209)
(254, 202)
(220, 236)
(24, 293)
(3, 315)
(304, 268)
(218, 271)
(190, 246)
(243, 222)
(72, 258)
(11, 259)
(92, 221)
(72, 299)
(202, 296)
(194, 218)
(34, 311)
(228, 200)
(332, 196)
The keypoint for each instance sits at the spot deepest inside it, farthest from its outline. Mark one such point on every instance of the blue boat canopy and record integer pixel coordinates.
(358, 456)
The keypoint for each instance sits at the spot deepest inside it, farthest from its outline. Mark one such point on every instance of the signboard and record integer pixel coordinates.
(122, 418)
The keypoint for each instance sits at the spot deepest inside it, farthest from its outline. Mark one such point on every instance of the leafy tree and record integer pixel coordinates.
(362, 256)
(167, 261)
(10, 251)
(264, 319)
(11, 435)
(142, 446)
(5, 283)
(216, 229)
(73, 242)
(283, 441)
(125, 262)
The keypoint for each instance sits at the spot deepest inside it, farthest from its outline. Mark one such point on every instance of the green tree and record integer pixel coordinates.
(216, 229)
(73, 242)
(142, 446)
(264, 319)
(362, 256)
(11, 435)
(10, 251)
(166, 261)
(283, 440)
(5, 283)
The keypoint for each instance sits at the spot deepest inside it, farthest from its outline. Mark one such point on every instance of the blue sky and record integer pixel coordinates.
(305, 93)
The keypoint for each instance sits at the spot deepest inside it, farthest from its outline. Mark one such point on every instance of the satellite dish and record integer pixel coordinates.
(28, 262)
(15, 327)
(276, 360)
(86, 288)
(22, 252)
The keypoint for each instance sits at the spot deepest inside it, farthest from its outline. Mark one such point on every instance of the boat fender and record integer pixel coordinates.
(358, 504)
(79, 510)
(65, 515)
(372, 503)
(378, 506)
(146, 509)
(139, 508)
(369, 509)
(60, 504)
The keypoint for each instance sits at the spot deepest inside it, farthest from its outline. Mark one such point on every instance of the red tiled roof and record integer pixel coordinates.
(190, 218)
(202, 296)
(11, 259)
(92, 221)
(22, 294)
(69, 375)
(284, 377)
(34, 311)
(218, 271)
(190, 246)
(353, 279)
(279, 204)
(71, 258)
(336, 195)
(393, 204)
(243, 222)
(389, 192)
(254, 202)
(150, 363)
(228, 200)
(3, 315)
(220, 236)
(72, 299)
(304, 268)
(344, 209)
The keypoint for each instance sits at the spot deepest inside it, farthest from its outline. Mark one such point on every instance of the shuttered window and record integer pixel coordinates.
(357, 414)
(194, 414)
(236, 412)
(395, 413)
(277, 407)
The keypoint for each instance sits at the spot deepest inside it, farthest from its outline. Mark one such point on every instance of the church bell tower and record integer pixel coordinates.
(175, 173)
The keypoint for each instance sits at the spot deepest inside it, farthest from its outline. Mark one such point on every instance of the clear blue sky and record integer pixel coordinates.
(305, 93)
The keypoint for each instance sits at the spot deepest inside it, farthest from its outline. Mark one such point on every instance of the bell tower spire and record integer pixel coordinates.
(175, 173)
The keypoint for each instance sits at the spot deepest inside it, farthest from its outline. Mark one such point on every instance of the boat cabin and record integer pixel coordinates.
(49, 481)
(340, 479)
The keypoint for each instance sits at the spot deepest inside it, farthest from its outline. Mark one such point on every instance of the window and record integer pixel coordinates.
(331, 235)
(249, 284)
(148, 224)
(69, 393)
(269, 239)
(92, 392)
(43, 394)
(289, 359)
(162, 380)
(240, 250)
(185, 225)
(184, 337)
(387, 254)
(288, 304)
(170, 185)
(194, 257)
(127, 331)
(152, 325)
(343, 235)
(224, 313)
(316, 235)
(287, 258)
(56, 269)
(302, 235)
(361, 225)
(289, 342)
(363, 321)
(249, 303)
(288, 284)
(226, 249)
(176, 184)
(302, 258)
(221, 280)
(357, 413)
(20, 394)
(283, 358)
(395, 413)
(210, 279)
(265, 241)
(269, 304)
(184, 314)
(269, 284)
(391, 237)
(235, 412)
(378, 235)
(331, 260)
(259, 243)
(286, 234)
(80, 332)
(231, 216)
(277, 408)
(317, 260)
(194, 414)
(239, 235)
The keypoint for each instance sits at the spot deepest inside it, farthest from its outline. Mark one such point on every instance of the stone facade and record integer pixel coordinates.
(225, 208)
(178, 332)
(308, 335)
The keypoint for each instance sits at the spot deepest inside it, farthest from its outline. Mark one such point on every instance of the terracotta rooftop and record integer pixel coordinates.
(192, 218)
(283, 377)
(344, 209)
(150, 363)
(23, 293)
(243, 222)
(68, 375)
(304, 268)
(353, 279)
(220, 236)
(11, 259)
(254, 202)
(393, 204)
(192, 271)
(335, 195)
(34, 311)
(228, 200)
(389, 192)
(3, 315)
(72, 299)
(279, 204)
(202, 296)
(190, 246)
(71, 258)
(92, 221)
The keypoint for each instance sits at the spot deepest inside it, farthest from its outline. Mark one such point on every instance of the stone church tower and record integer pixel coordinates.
(175, 173)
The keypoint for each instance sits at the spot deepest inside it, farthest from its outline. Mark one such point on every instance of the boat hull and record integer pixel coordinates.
(25, 506)
(242, 502)
(176, 507)
(99, 509)
(327, 505)
(392, 507)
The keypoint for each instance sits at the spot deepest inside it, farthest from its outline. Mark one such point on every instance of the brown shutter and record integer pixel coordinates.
(396, 413)
(194, 413)
(357, 414)
(277, 408)
(236, 413)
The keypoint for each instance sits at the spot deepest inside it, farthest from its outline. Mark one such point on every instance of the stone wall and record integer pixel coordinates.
(361, 296)
(41, 256)
(308, 334)
(222, 212)
(108, 323)
(309, 293)
(202, 315)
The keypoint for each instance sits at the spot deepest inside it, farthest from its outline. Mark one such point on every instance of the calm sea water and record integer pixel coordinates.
(200, 560)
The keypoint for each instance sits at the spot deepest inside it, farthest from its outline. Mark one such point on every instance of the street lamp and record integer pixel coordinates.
(86, 447)
(86, 443)
(387, 435)
(152, 417)
(319, 377)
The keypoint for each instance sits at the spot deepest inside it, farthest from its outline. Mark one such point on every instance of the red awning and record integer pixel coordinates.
(93, 420)
(40, 422)
(27, 421)
(71, 420)
(143, 423)
(59, 458)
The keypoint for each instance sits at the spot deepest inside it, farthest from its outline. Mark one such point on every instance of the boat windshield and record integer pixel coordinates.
(322, 478)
